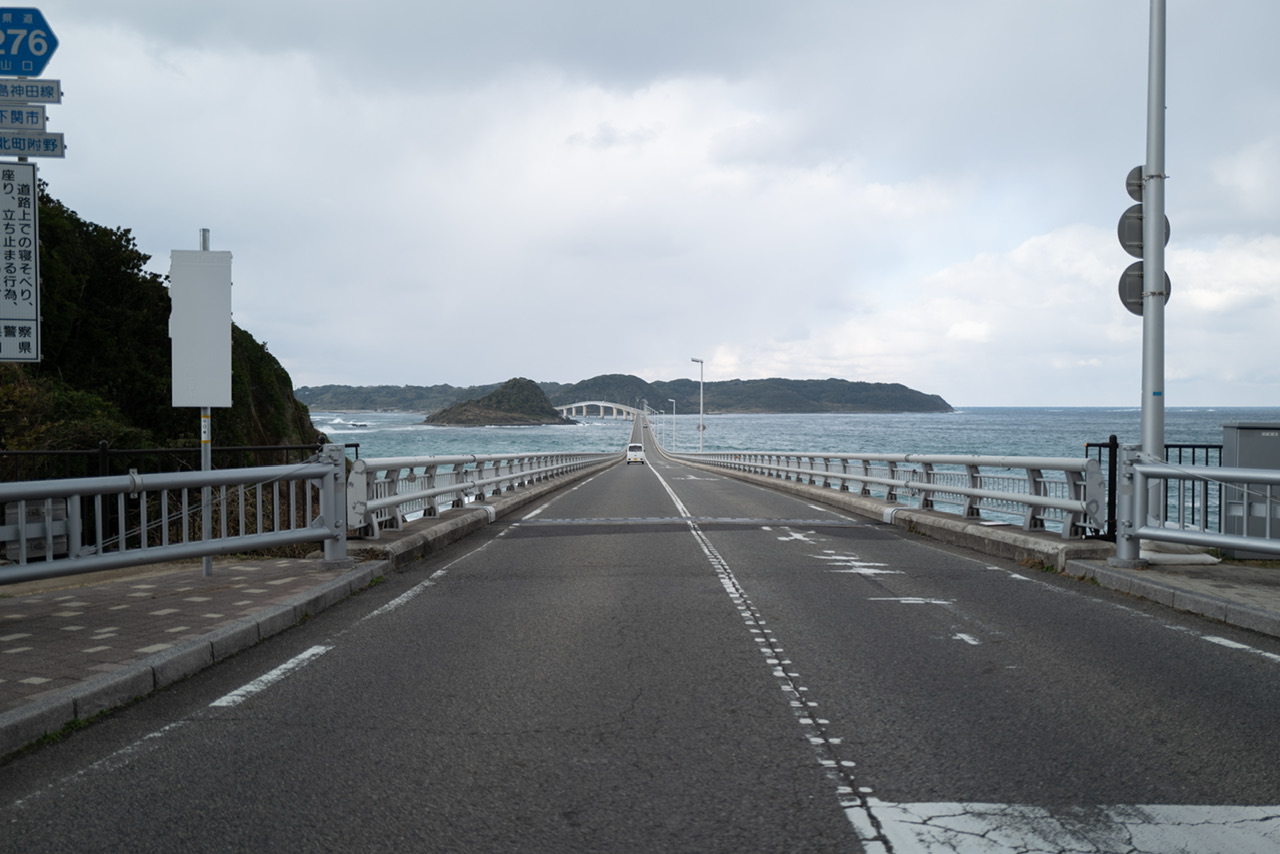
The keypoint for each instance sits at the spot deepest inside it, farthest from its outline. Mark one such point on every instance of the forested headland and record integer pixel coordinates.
(762, 395)
(106, 368)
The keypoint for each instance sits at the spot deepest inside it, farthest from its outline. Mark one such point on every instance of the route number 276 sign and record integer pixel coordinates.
(26, 42)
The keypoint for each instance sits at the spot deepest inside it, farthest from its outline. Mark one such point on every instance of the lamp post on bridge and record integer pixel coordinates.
(673, 422)
(701, 426)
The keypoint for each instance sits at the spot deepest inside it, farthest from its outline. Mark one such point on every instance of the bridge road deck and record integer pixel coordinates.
(661, 659)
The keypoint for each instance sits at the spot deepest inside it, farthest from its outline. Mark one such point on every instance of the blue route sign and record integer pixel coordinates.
(26, 42)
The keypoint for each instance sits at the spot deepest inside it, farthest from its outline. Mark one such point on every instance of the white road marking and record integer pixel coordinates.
(969, 639)
(106, 763)
(851, 798)
(856, 565)
(946, 828)
(268, 679)
(1021, 829)
(538, 511)
(407, 596)
(862, 570)
(796, 535)
(911, 600)
(1230, 644)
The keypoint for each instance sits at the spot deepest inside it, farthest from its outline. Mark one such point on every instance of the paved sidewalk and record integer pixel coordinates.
(76, 646)
(1242, 595)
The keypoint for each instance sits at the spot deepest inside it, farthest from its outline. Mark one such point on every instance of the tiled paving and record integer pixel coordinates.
(55, 637)
(1247, 584)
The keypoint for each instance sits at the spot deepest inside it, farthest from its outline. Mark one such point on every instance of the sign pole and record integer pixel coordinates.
(200, 330)
(206, 454)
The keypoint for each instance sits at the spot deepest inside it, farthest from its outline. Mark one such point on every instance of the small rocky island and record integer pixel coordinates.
(517, 402)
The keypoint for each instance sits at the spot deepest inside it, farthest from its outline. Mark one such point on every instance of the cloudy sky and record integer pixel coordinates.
(915, 191)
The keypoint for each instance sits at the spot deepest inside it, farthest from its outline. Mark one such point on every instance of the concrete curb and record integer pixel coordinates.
(1135, 583)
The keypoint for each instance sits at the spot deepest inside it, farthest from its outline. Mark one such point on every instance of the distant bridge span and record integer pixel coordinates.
(617, 410)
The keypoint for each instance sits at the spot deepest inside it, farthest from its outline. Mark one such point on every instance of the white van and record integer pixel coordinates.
(635, 453)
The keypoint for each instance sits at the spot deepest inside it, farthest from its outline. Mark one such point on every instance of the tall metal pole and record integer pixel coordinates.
(701, 426)
(673, 422)
(1153, 237)
(206, 456)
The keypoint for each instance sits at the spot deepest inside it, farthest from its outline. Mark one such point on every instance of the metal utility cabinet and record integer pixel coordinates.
(1251, 445)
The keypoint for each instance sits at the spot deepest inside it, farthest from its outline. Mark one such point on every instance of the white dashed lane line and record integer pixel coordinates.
(898, 828)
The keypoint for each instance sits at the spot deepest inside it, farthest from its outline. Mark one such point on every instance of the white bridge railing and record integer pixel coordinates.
(1226, 508)
(1042, 492)
(65, 527)
(382, 493)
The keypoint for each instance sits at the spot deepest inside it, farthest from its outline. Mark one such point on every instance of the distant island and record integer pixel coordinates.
(741, 396)
(516, 402)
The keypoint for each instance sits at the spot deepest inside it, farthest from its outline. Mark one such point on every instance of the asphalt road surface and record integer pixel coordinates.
(662, 659)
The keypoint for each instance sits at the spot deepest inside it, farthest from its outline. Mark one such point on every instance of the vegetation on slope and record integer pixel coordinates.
(106, 368)
(517, 401)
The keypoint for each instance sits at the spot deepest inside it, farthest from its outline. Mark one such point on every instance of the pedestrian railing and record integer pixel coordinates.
(1042, 493)
(384, 493)
(1176, 453)
(105, 460)
(63, 527)
(1213, 507)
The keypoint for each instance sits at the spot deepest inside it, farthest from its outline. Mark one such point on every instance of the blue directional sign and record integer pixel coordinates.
(26, 42)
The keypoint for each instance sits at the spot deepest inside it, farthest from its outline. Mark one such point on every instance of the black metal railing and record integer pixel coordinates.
(1178, 453)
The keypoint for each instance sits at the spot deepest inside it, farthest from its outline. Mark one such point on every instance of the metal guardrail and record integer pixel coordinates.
(1245, 515)
(105, 460)
(383, 492)
(53, 528)
(1044, 492)
(1176, 453)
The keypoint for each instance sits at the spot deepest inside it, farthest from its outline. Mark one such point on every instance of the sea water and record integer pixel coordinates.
(999, 431)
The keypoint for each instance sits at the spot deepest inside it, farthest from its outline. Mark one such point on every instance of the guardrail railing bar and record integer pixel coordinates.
(376, 496)
(149, 502)
(1040, 497)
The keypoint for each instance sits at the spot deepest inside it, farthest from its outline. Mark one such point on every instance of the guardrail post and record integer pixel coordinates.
(1033, 520)
(891, 490)
(926, 475)
(1129, 510)
(973, 480)
(358, 499)
(333, 505)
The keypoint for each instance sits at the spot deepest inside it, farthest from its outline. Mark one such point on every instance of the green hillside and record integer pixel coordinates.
(765, 395)
(517, 401)
(105, 373)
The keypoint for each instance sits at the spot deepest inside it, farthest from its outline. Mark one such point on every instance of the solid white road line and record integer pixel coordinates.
(268, 679)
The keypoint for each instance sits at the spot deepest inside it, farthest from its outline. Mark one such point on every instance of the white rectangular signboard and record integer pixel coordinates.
(29, 117)
(200, 327)
(17, 143)
(19, 264)
(30, 91)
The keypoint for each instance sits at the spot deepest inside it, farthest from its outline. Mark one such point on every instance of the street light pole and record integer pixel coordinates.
(701, 426)
(673, 422)
(1153, 237)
